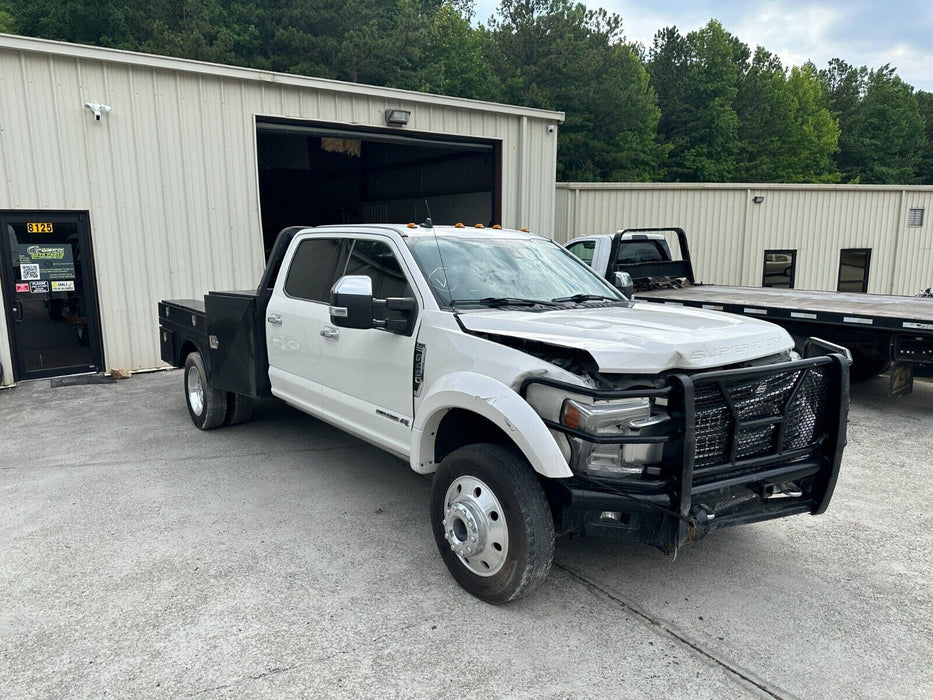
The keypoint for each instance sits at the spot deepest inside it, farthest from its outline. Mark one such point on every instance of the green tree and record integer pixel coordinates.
(696, 78)
(104, 23)
(7, 24)
(554, 54)
(879, 116)
(924, 169)
(786, 133)
(456, 60)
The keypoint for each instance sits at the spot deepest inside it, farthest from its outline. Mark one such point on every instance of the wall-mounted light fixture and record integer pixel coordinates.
(758, 199)
(397, 117)
(97, 108)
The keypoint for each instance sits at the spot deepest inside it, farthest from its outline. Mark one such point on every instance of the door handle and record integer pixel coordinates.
(274, 319)
(331, 333)
(17, 310)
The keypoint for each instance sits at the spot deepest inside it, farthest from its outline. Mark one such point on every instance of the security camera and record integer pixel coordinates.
(551, 128)
(96, 108)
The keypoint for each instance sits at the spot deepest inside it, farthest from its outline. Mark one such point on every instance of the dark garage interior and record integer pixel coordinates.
(311, 174)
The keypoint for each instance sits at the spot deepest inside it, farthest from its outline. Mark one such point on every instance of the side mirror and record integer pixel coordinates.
(351, 302)
(623, 282)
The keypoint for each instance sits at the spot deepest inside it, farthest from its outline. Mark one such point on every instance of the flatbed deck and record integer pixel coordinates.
(898, 313)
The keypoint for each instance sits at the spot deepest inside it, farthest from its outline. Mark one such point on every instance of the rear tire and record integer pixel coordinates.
(239, 408)
(207, 406)
(491, 522)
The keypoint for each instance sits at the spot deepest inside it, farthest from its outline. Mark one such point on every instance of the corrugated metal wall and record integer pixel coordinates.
(170, 175)
(729, 232)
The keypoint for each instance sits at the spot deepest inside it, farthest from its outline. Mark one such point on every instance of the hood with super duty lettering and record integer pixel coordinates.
(644, 338)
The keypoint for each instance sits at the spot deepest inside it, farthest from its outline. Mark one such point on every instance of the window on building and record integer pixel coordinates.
(778, 268)
(853, 269)
(915, 218)
(313, 269)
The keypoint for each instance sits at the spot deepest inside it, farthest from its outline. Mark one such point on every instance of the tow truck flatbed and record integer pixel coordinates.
(908, 314)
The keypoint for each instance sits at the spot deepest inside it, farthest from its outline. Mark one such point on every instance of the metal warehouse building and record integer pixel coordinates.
(126, 178)
(863, 238)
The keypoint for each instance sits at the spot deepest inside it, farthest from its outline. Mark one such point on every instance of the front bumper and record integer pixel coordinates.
(743, 446)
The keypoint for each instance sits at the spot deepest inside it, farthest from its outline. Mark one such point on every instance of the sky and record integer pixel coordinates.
(860, 32)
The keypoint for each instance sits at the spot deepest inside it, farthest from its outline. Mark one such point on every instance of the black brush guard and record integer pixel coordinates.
(735, 437)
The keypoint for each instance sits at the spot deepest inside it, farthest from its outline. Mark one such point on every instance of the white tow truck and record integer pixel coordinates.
(542, 400)
(882, 332)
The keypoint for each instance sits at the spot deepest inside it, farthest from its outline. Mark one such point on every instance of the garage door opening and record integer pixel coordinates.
(311, 174)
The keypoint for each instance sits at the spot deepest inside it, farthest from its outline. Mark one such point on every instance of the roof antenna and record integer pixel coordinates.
(441, 286)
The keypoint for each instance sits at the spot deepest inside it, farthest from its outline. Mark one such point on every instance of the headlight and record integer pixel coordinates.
(605, 418)
(626, 418)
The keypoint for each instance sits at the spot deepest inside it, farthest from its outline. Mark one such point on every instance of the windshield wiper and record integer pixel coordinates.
(577, 298)
(504, 301)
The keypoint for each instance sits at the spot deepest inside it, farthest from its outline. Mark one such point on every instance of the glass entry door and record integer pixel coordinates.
(49, 294)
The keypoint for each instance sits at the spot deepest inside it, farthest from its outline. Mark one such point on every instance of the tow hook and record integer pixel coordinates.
(788, 488)
(701, 515)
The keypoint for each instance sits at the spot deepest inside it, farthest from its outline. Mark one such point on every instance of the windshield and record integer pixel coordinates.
(502, 271)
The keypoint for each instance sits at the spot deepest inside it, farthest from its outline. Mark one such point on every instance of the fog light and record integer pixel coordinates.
(610, 515)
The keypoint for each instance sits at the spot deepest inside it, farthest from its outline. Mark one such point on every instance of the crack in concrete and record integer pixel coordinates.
(316, 659)
(746, 676)
(270, 672)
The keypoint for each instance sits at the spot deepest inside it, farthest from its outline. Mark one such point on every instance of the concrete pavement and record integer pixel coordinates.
(140, 557)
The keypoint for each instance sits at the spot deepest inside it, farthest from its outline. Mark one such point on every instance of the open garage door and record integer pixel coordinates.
(313, 174)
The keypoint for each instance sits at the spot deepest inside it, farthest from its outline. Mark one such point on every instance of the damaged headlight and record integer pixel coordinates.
(624, 419)
(612, 420)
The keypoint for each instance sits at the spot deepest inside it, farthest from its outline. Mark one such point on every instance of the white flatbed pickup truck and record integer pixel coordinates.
(542, 400)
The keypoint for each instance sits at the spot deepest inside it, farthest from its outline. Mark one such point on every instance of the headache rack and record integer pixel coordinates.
(736, 429)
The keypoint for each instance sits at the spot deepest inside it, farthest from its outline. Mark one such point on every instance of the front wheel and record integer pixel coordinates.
(491, 522)
(207, 406)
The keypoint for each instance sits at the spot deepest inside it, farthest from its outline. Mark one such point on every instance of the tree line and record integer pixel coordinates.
(695, 107)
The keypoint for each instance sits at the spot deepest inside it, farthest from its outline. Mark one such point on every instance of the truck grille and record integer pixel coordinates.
(768, 414)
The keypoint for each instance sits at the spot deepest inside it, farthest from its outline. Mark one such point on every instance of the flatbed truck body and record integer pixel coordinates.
(882, 332)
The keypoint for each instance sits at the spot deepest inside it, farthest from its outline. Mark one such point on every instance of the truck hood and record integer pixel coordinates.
(642, 339)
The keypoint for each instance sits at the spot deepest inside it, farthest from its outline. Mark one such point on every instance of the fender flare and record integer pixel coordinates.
(497, 403)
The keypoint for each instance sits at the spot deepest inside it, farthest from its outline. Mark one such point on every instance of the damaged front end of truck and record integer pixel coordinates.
(668, 463)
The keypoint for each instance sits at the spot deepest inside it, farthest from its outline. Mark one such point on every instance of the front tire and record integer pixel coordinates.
(207, 406)
(491, 522)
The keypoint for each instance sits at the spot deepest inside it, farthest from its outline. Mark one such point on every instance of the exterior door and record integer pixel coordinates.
(360, 380)
(49, 294)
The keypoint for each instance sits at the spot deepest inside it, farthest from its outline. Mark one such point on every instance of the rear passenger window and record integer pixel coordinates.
(314, 269)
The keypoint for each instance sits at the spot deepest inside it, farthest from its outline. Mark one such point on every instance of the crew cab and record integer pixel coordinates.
(540, 398)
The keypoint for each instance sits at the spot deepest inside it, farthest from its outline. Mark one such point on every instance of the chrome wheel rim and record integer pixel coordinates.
(195, 391)
(474, 526)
